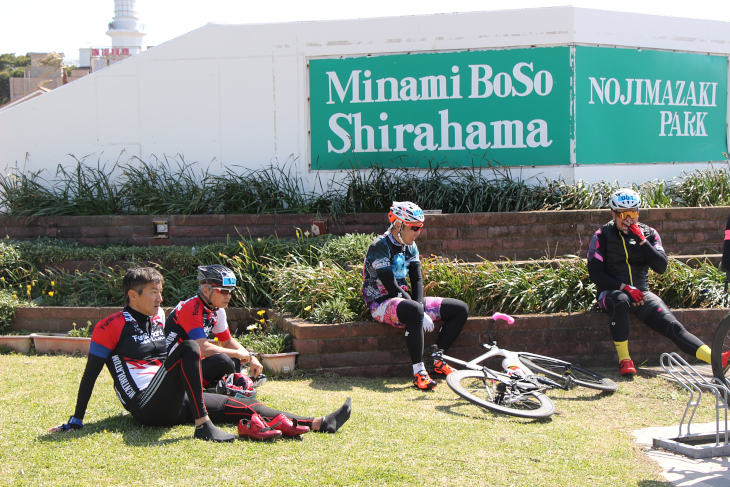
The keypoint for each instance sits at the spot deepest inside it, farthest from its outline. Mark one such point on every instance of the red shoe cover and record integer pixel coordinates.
(256, 429)
(288, 427)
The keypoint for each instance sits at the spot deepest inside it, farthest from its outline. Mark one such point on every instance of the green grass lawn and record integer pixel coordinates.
(396, 436)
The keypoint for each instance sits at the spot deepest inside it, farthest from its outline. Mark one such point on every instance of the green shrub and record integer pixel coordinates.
(320, 278)
(9, 304)
(264, 337)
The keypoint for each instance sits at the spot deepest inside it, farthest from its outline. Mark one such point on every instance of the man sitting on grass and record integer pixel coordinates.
(164, 390)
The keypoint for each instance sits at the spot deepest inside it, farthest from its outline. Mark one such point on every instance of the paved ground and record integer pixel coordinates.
(678, 469)
(681, 470)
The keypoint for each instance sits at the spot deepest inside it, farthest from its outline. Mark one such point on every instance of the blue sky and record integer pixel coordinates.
(54, 25)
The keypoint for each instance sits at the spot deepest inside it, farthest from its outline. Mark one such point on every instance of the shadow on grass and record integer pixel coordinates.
(596, 397)
(467, 410)
(378, 384)
(133, 433)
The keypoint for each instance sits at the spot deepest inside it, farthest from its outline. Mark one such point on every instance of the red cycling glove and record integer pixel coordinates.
(637, 231)
(635, 293)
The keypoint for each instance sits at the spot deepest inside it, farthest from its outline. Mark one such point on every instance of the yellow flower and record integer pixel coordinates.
(53, 283)
(3, 279)
(307, 308)
(15, 296)
(28, 292)
(50, 294)
(28, 286)
(43, 292)
(262, 320)
(261, 313)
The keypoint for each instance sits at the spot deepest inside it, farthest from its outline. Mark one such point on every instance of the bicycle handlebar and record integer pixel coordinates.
(502, 316)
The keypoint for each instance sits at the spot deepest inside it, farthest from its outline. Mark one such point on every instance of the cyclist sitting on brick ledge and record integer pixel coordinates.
(620, 255)
(389, 259)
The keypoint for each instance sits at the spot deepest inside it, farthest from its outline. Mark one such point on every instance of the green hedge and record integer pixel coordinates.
(319, 278)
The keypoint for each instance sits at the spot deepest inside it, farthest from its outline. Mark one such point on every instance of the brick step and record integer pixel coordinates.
(367, 348)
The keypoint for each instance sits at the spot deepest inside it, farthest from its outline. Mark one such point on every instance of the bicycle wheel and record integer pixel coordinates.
(720, 345)
(498, 397)
(557, 369)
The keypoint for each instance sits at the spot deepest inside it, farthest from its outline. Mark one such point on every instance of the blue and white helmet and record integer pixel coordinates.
(625, 199)
(407, 212)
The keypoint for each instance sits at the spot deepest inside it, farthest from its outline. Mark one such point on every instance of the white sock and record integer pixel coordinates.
(418, 368)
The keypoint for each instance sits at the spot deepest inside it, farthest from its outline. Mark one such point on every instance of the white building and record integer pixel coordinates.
(239, 95)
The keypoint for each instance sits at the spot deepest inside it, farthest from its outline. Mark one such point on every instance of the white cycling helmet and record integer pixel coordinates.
(625, 199)
(407, 212)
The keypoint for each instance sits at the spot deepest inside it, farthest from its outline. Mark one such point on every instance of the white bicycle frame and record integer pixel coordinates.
(520, 371)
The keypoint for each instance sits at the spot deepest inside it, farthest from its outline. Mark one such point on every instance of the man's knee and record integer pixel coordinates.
(189, 347)
(614, 300)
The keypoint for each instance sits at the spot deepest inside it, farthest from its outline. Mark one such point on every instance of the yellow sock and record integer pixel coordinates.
(704, 353)
(623, 350)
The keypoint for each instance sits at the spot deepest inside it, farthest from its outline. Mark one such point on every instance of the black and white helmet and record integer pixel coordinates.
(625, 199)
(216, 275)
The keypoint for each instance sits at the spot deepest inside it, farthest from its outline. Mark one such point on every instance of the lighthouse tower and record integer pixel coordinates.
(125, 29)
(126, 33)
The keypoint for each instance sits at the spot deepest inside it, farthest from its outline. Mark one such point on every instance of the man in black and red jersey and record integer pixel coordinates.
(163, 390)
(620, 255)
(196, 318)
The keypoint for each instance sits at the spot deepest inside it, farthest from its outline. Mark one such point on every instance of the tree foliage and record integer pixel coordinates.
(10, 66)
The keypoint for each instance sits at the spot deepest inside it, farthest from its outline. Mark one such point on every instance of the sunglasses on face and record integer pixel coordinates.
(223, 290)
(415, 228)
(628, 214)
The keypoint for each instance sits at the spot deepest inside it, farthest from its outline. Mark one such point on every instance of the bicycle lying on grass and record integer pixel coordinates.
(518, 389)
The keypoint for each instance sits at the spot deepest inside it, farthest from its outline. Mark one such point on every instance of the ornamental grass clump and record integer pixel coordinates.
(482, 186)
(323, 290)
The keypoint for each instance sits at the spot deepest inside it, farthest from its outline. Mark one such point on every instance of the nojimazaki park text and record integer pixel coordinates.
(661, 93)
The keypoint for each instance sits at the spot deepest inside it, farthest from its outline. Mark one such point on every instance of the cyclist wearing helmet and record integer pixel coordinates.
(392, 257)
(194, 319)
(157, 389)
(620, 255)
(201, 315)
(165, 390)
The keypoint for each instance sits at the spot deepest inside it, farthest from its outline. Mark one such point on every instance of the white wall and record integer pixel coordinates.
(236, 95)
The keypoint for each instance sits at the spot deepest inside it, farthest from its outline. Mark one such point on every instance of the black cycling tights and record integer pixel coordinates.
(175, 387)
(225, 409)
(214, 367)
(453, 313)
(654, 313)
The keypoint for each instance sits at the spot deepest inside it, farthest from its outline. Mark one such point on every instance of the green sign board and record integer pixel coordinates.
(649, 106)
(455, 108)
(540, 106)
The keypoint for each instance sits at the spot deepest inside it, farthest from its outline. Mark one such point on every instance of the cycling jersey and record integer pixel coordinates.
(192, 320)
(615, 258)
(133, 346)
(385, 253)
(158, 389)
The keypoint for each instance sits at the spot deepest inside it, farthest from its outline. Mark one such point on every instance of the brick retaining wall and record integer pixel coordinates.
(373, 349)
(57, 319)
(517, 236)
